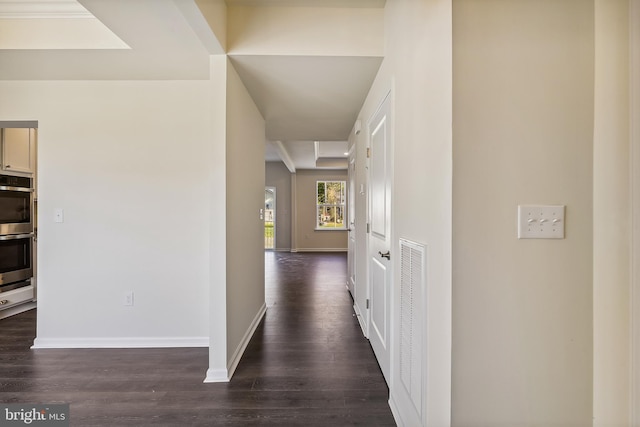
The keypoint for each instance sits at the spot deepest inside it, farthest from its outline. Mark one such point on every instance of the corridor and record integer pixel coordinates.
(307, 364)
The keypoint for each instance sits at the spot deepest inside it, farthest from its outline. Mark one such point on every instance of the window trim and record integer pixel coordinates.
(343, 205)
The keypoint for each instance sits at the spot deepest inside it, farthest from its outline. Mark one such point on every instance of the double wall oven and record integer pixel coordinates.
(16, 231)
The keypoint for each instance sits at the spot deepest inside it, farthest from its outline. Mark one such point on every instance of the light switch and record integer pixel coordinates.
(58, 215)
(541, 222)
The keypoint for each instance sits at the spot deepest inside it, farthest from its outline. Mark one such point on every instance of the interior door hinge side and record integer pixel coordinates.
(367, 303)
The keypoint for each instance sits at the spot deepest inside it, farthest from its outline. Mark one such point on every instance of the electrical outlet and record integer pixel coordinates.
(541, 222)
(128, 298)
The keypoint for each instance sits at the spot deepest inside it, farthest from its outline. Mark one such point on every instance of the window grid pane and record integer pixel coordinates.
(331, 199)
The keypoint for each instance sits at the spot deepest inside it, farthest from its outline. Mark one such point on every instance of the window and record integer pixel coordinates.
(330, 204)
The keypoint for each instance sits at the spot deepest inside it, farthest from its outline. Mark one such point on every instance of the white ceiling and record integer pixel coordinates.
(307, 97)
(163, 44)
(302, 98)
(305, 154)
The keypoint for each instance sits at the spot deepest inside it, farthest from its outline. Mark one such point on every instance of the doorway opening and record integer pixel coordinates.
(270, 218)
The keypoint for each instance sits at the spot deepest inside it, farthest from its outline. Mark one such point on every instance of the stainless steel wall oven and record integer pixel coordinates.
(16, 204)
(16, 231)
(16, 257)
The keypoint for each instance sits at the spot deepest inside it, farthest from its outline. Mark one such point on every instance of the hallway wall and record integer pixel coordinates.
(278, 176)
(245, 228)
(523, 134)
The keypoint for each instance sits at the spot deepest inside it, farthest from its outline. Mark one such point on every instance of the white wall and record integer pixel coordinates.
(417, 71)
(523, 133)
(277, 175)
(245, 229)
(124, 160)
(307, 237)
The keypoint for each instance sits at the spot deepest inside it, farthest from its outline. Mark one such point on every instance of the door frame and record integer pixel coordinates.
(351, 222)
(273, 190)
(634, 120)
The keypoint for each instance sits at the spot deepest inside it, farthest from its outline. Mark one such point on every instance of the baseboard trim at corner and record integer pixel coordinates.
(237, 355)
(137, 342)
(217, 376)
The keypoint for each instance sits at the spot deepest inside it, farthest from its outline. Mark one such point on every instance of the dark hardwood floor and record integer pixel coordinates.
(307, 364)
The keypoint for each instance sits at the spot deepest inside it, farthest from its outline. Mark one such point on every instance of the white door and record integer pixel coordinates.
(380, 258)
(351, 214)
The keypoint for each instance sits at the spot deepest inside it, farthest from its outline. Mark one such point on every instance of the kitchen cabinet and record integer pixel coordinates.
(18, 150)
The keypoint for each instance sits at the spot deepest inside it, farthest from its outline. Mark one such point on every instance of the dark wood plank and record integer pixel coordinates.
(307, 364)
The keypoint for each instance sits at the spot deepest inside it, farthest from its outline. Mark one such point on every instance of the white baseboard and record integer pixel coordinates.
(217, 376)
(395, 412)
(237, 355)
(360, 320)
(121, 342)
(321, 250)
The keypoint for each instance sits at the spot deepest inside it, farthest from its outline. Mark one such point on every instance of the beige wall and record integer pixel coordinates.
(611, 216)
(215, 13)
(522, 134)
(244, 199)
(278, 176)
(308, 238)
(305, 31)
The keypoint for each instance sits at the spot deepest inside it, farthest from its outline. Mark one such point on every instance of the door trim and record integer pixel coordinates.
(634, 120)
(386, 100)
(275, 213)
(351, 222)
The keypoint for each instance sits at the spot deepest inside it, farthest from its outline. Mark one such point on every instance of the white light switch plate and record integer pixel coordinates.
(58, 215)
(540, 221)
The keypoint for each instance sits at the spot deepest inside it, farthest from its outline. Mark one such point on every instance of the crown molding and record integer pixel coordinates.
(56, 9)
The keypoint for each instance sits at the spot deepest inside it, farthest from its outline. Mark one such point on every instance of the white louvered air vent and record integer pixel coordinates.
(412, 313)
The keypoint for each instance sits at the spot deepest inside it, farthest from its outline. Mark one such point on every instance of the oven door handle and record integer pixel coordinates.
(16, 236)
(22, 189)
